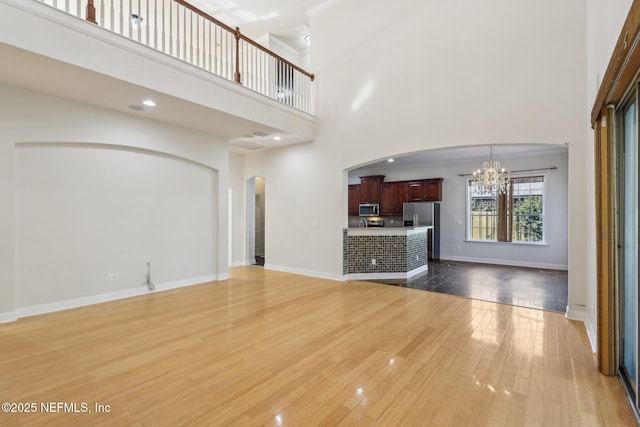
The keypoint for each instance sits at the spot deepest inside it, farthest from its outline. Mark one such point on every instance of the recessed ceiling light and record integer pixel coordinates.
(390, 160)
(149, 103)
(277, 138)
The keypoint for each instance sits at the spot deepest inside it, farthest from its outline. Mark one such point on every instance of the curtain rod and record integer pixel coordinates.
(552, 168)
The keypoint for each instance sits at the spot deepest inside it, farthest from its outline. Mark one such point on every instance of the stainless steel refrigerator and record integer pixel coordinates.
(424, 214)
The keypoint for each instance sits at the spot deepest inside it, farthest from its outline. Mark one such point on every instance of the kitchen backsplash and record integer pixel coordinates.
(389, 221)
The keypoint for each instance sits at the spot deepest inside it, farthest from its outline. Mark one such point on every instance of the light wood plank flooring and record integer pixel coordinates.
(270, 348)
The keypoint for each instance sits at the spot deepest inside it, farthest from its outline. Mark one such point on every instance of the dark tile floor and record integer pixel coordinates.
(524, 287)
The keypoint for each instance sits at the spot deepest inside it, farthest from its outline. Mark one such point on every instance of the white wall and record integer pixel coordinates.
(454, 246)
(605, 19)
(426, 75)
(85, 211)
(238, 185)
(27, 118)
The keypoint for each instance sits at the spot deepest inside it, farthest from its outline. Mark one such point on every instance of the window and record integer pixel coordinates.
(517, 216)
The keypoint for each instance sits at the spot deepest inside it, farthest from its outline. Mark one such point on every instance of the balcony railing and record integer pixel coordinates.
(183, 31)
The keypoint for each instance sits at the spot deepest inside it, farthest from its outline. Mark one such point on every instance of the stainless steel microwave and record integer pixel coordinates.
(369, 209)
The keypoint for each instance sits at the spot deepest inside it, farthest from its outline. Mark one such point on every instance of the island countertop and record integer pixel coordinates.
(386, 231)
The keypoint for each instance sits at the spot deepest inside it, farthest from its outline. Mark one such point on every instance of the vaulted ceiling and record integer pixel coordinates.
(255, 18)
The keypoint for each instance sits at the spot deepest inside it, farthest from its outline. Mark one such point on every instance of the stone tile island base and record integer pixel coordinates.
(384, 253)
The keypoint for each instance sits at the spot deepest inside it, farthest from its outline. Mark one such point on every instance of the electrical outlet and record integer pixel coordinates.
(111, 277)
(373, 261)
(417, 257)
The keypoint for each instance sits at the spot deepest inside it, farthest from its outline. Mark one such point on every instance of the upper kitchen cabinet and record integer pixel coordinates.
(433, 190)
(370, 188)
(400, 196)
(392, 196)
(415, 191)
(425, 190)
(354, 199)
(386, 199)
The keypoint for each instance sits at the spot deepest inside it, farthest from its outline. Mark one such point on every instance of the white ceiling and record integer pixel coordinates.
(255, 18)
(464, 155)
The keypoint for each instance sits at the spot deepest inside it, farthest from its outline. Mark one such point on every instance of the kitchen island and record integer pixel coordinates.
(384, 253)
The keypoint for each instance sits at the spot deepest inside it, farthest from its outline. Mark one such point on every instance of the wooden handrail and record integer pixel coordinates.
(275, 55)
(205, 15)
(235, 67)
(239, 36)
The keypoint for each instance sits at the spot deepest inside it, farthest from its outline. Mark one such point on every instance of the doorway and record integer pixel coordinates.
(256, 220)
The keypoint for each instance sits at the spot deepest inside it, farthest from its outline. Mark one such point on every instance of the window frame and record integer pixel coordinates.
(468, 228)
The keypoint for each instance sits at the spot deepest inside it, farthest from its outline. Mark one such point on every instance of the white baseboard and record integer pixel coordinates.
(583, 316)
(374, 276)
(106, 297)
(240, 263)
(8, 316)
(302, 272)
(518, 263)
(225, 276)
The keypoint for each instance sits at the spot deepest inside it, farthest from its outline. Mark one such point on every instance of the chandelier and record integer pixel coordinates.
(492, 179)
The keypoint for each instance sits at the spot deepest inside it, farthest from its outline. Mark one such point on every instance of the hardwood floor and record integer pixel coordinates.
(270, 348)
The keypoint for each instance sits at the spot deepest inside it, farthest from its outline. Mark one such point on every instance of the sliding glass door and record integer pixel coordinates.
(627, 167)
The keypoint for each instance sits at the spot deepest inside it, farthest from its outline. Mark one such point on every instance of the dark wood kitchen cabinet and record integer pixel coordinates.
(354, 199)
(415, 191)
(386, 199)
(392, 196)
(400, 196)
(370, 188)
(425, 190)
(432, 190)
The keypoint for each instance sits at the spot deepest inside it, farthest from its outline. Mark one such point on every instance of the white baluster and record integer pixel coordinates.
(170, 28)
(214, 49)
(198, 57)
(155, 24)
(163, 32)
(111, 15)
(191, 38)
(184, 34)
(147, 15)
(141, 23)
(208, 41)
(177, 31)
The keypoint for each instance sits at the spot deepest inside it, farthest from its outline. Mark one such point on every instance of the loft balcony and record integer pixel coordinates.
(207, 75)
